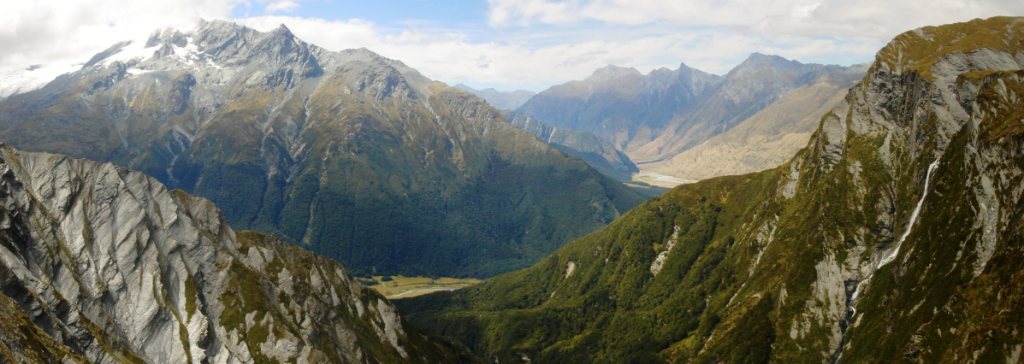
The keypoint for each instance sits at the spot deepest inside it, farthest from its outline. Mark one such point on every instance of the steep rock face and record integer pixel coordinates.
(356, 156)
(115, 267)
(597, 152)
(770, 137)
(23, 342)
(894, 236)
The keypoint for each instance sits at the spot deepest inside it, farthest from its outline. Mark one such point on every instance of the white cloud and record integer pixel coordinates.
(523, 12)
(518, 62)
(452, 58)
(61, 32)
(281, 6)
(880, 19)
(330, 34)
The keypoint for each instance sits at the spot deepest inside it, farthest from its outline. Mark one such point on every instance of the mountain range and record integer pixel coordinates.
(893, 236)
(768, 138)
(654, 119)
(620, 104)
(353, 155)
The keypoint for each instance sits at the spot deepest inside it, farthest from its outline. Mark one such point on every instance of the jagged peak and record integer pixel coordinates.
(760, 60)
(686, 69)
(661, 70)
(219, 25)
(222, 43)
(223, 30)
(283, 29)
(694, 73)
(165, 35)
(226, 29)
(364, 54)
(612, 72)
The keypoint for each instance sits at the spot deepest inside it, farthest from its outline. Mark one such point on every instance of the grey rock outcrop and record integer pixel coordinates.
(116, 267)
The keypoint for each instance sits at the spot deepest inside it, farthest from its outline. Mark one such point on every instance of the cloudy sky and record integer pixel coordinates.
(507, 44)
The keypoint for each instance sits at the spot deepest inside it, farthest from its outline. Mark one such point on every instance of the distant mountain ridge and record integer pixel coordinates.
(355, 156)
(501, 100)
(597, 152)
(748, 88)
(655, 117)
(768, 138)
(619, 104)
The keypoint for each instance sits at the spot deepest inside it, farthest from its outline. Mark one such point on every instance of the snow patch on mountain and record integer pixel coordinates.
(30, 78)
(131, 51)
